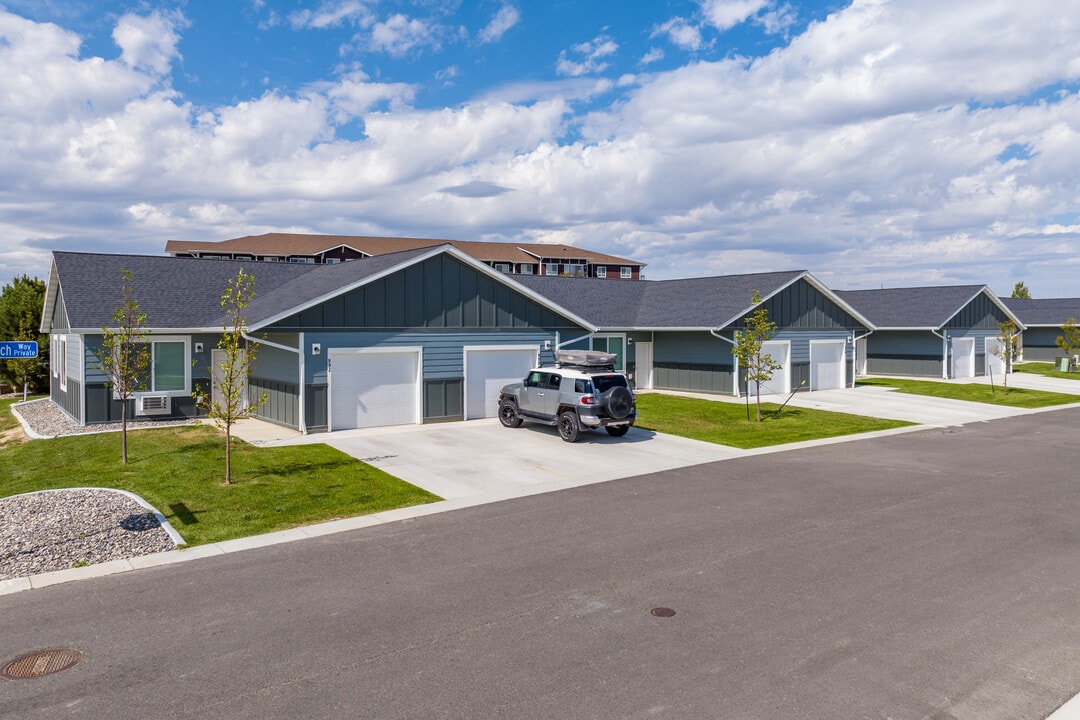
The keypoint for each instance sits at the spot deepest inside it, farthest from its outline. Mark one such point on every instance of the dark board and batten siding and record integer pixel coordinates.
(801, 306)
(981, 313)
(439, 293)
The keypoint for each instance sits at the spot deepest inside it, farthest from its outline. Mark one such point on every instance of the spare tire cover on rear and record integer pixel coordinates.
(618, 402)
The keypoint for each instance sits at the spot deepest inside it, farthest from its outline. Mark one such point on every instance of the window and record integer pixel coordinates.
(526, 269)
(554, 381)
(601, 271)
(302, 260)
(503, 267)
(575, 269)
(536, 379)
(611, 344)
(552, 269)
(61, 362)
(626, 273)
(169, 366)
(333, 261)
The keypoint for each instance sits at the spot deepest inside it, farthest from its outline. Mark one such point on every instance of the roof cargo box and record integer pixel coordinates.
(585, 358)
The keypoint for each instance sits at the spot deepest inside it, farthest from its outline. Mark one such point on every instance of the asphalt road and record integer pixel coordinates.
(923, 575)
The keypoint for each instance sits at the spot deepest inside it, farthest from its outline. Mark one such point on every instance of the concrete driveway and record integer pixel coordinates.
(482, 459)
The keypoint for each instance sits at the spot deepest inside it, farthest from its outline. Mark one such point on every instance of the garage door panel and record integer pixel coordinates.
(778, 382)
(487, 370)
(827, 365)
(373, 389)
(963, 357)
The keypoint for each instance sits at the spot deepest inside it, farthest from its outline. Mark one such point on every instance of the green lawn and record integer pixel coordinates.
(975, 392)
(1045, 368)
(180, 471)
(725, 422)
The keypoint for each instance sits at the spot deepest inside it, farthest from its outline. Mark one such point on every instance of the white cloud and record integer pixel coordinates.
(867, 150)
(507, 17)
(726, 14)
(149, 42)
(680, 33)
(591, 57)
(654, 55)
(399, 34)
(333, 14)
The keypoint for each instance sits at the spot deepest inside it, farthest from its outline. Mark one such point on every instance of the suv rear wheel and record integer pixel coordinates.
(569, 427)
(508, 415)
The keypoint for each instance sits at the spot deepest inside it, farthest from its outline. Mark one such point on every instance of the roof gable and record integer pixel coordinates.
(1050, 312)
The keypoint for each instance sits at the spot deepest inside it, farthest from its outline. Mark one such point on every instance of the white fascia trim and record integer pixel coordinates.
(52, 291)
(764, 298)
(993, 298)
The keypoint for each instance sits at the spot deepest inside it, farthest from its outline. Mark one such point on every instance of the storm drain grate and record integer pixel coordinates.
(40, 663)
(663, 612)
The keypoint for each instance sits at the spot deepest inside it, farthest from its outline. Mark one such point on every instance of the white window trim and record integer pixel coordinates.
(548, 268)
(621, 336)
(601, 271)
(526, 269)
(626, 273)
(62, 370)
(187, 366)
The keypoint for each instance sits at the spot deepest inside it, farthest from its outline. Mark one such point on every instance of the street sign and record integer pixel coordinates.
(18, 349)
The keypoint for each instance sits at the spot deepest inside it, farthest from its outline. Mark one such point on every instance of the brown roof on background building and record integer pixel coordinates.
(285, 244)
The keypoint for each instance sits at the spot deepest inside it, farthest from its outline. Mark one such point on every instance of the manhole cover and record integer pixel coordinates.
(40, 663)
(663, 612)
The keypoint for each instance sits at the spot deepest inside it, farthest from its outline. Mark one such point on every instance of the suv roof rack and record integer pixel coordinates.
(586, 359)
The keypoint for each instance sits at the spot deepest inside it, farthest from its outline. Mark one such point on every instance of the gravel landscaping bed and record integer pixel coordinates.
(45, 419)
(61, 529)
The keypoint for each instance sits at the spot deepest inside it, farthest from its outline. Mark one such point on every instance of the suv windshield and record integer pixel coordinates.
(604, 383)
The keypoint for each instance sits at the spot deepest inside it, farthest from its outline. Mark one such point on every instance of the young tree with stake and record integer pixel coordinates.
(228, 401)
(757, 367)
(1069, 340)
(1007, 348)
(124, 357)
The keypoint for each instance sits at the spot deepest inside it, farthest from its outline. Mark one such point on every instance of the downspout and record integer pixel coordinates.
(300, 354)
(944, 353)
(735, 360)
(855, 353)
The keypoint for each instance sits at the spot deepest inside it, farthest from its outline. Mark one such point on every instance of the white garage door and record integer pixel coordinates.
(780, 352)
(487, 369)
(374, 388)
(827, 364)
(995, 365)
(963, 357)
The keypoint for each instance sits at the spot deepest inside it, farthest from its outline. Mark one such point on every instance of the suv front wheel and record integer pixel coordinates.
(508, 415)
(569, 427)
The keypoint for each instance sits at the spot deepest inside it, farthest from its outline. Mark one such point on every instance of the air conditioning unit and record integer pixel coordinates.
(152, 405)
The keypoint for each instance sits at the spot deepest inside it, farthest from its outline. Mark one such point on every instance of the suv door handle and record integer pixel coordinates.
(539, 394)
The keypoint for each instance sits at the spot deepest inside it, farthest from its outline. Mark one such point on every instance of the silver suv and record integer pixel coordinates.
(580, 392)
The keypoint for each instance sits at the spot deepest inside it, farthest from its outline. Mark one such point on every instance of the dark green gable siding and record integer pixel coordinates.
(980, 314)
(439, 293)
(801, 306)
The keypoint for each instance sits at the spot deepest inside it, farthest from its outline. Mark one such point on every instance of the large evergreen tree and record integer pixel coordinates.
(21, 303)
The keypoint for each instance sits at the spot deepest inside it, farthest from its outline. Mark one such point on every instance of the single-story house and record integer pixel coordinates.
(509, 258)
(679, 334)
(424, 335)
(1043, 320)
(947, 331)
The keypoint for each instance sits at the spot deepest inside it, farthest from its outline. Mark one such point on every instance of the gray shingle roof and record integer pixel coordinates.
(1050, 312)
(918, 307)
(707, 302)
(173, 292)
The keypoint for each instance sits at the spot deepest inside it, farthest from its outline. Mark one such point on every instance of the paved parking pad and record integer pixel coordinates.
(481, 458)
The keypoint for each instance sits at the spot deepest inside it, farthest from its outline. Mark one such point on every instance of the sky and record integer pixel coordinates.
(875, 143)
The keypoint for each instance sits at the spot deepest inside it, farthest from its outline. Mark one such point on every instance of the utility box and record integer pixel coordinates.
(1063, 364)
